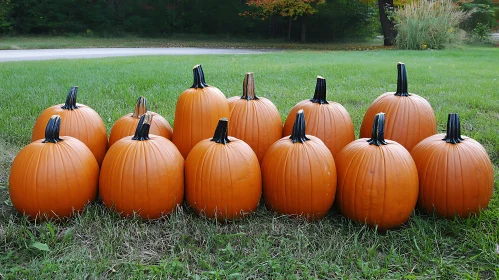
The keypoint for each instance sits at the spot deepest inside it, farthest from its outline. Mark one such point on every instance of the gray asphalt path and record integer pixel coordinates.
(47, 54)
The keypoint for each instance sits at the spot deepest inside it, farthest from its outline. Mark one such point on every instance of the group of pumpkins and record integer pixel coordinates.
(224, 153)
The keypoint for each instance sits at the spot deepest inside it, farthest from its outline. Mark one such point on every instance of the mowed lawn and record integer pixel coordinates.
(100, 244)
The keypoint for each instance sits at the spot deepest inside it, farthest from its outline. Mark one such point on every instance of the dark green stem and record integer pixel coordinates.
(249, 87)
(298, 134)
(320, 91)
(140, 107)
(199, 81)
(52, 130)
(142, 131)
(453, 135)
(71, 99)
(378, 133)
(221, 135)
(402, 80)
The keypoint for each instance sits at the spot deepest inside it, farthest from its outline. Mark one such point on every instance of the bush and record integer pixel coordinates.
(427, 24)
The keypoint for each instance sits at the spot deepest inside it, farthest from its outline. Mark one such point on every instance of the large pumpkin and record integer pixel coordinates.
(53, 177)
(142, 174)
(299, 174)
(126, 125)
(79, 121)
(222, 176)
(327, 120)
(255, 120)
(455, 173)
(377, 180)
(197, 113)
(409, 117)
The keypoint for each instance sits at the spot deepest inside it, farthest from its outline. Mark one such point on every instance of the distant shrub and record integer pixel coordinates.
(429, 24)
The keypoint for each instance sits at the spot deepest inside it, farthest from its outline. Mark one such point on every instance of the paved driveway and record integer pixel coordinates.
(47, 54)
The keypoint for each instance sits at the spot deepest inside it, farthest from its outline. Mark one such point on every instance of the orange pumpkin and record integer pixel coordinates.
(222, 176)
(299, 174)
(197, 113)
(327, 120)
(79, 121)
(142, 174)
(377, 180)
(126, 125)
(410, 117)
(255, 120)
(53, 177)
(455, 173)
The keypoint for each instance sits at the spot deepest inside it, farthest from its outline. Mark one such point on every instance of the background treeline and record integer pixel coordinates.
(335, 20)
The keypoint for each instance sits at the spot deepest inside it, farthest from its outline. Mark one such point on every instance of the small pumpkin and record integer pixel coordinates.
(327, 120)
(455, 173)
(53, 177)
(142, 174)
(80, 121)
(299, 174)
(222, 176)
(410, 117)
(197, 112)
(377, 180)
(126, 125)
(255, 120)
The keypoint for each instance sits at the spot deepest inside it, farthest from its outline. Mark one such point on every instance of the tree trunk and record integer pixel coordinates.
(289, 28)
(387, 25)
(303, 28)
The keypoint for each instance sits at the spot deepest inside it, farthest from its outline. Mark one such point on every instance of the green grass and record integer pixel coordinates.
(44, 42)
(99, 244)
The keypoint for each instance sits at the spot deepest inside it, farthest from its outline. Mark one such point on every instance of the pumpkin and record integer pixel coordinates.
(197, 113)
(299, 174)
(222, 176)
(53, 177)
(255, 120)
(327, 120)
(410, 117)
(80, 121)
(455, 173)
(377, 180)
(126, 125)
(142, 174)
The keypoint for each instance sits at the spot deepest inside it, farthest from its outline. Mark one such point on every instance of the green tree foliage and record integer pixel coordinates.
(325, 19)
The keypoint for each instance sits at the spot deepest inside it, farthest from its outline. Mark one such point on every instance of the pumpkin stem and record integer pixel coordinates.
(222, 132)
(402, 80)
(142, 131)
(378, 134)
(199, 81)
(140, 107)
(71, 99)
(298, 134)
(320, 91)
(453, 135)
(249, 87)
(52, 130)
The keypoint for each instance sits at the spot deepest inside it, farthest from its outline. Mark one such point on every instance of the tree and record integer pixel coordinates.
(387, 23)
(292, 9)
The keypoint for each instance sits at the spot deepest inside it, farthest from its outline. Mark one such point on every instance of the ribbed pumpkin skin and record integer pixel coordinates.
(409, 119)
(299, 178)
(53, 179)
(256, 122)
(145, 177)
(196, 116)
(329, 122)
(126, 125)
(377, 185)
(82, 123)
(454, 179)
(221, 181)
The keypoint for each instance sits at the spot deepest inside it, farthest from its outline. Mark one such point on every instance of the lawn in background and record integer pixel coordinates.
(98, 243)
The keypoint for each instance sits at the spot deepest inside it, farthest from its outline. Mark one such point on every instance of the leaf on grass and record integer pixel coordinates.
(40, 246)
(497, 249)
